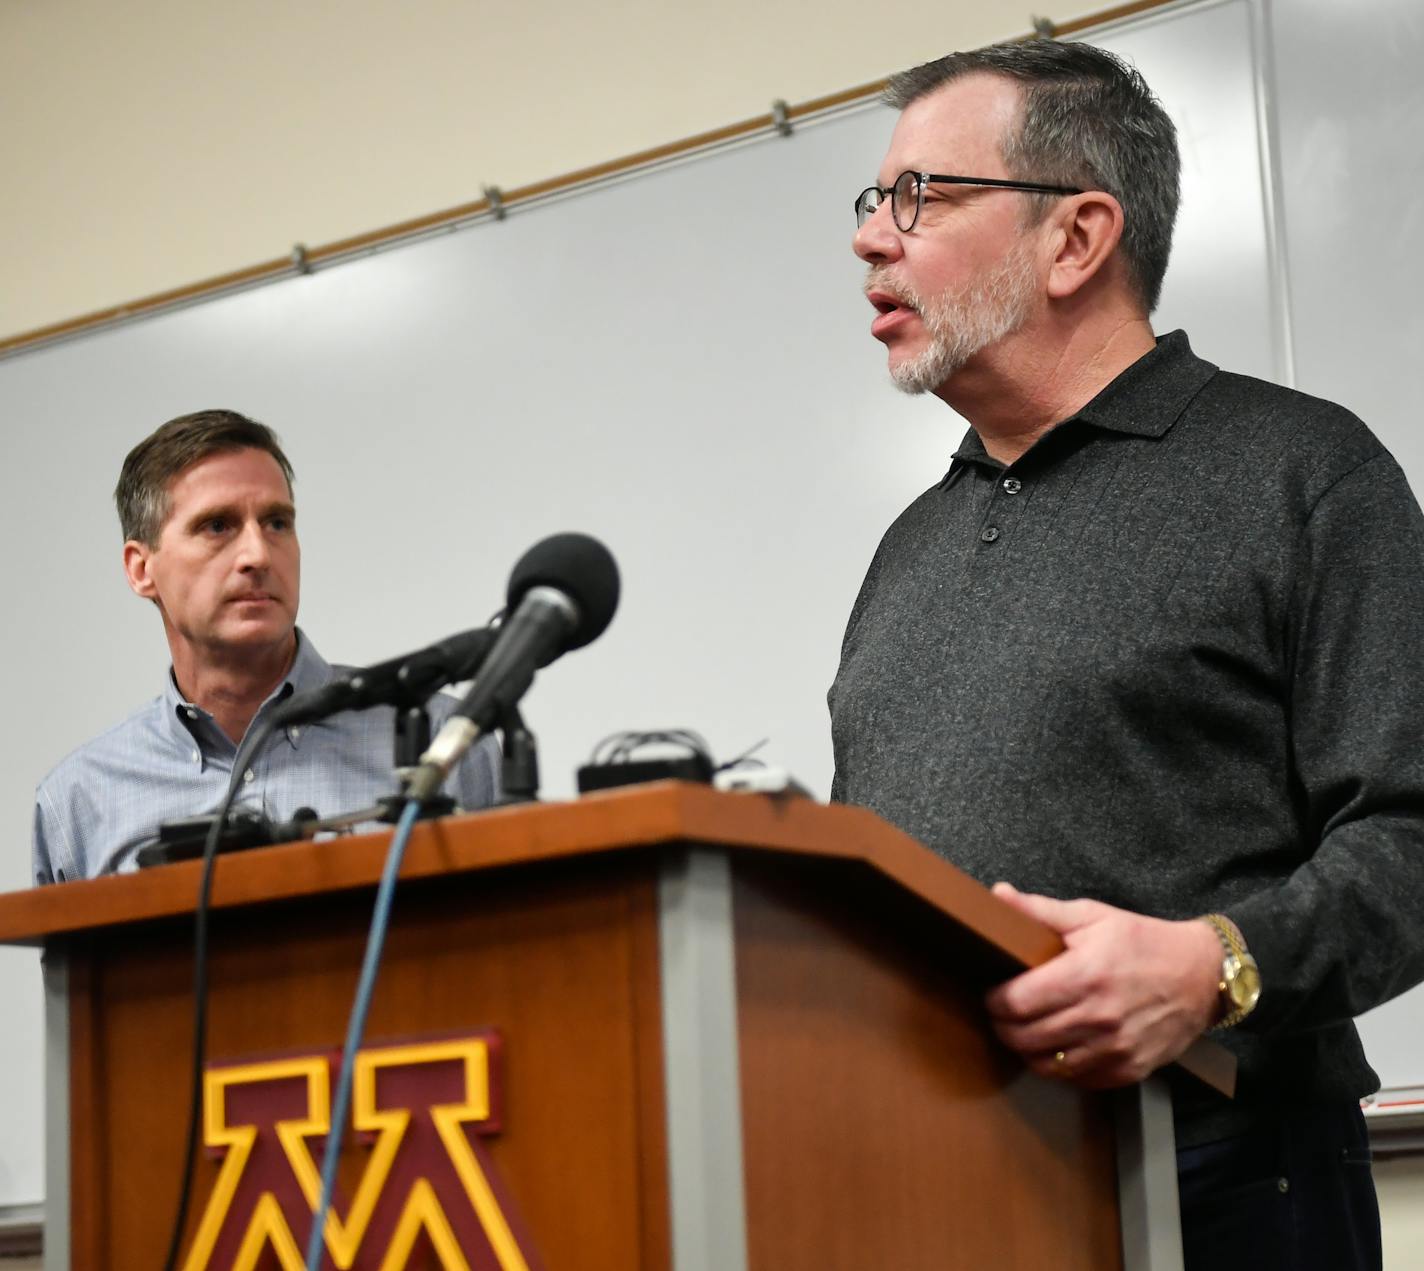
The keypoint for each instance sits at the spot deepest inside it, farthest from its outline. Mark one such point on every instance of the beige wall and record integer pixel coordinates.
(156, 143)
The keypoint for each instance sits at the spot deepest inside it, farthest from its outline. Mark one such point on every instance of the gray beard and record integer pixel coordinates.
(964, 324)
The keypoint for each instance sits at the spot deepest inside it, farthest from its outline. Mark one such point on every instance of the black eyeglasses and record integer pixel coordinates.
(907, 195)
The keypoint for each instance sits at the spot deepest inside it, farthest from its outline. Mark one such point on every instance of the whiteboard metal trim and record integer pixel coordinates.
(21, 1230)
(1394, 1117)
(304, 260)
(1277, 258)
(313, 259)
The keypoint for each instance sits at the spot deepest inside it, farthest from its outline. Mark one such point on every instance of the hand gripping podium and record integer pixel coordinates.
(662, 1029)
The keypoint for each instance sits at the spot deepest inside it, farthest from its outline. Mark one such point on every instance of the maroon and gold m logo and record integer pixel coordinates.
(427, 1190)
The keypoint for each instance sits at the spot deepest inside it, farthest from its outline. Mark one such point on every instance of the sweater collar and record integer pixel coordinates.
(1144, 400)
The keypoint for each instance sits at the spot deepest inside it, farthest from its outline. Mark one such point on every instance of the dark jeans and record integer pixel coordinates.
(1291, 1195)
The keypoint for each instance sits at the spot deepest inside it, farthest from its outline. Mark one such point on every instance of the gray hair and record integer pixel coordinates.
(142, 493)
(1088, 119)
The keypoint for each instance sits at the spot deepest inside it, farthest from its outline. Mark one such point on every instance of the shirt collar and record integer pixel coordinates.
(1144, 400)
(1149, 397)
(309, 670)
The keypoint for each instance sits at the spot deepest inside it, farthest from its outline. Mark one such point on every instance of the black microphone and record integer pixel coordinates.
(562, 595)
(405, 681)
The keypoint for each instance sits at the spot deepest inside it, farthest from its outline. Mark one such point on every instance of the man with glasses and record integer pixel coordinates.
(1150, 651)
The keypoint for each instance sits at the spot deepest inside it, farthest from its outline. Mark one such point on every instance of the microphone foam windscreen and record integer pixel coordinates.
(579, 566)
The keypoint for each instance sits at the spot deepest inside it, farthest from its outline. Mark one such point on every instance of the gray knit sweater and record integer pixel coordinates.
(1173, 659)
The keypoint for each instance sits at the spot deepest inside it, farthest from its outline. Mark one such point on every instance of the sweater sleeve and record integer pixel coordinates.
(1345, 930)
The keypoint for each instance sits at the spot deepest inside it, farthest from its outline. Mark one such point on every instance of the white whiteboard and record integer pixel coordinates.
(1348, 100)
(679, 364)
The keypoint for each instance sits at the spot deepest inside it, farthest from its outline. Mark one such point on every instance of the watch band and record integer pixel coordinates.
(1240, 984)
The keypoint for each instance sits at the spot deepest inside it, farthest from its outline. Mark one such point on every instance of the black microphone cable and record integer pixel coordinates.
(375, 942)
(405, 679)
(250, 744)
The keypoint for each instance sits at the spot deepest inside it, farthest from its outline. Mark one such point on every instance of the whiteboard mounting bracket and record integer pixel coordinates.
(301, 262)
(1043, 28)
(781, 117)
(495, 200)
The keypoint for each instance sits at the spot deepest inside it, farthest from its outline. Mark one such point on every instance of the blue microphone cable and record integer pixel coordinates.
(356, 1026)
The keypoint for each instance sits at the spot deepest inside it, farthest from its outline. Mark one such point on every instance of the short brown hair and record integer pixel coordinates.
(1089, 120)
(174, 447)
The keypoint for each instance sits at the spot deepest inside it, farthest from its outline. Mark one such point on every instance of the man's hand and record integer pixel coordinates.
(1129, 994)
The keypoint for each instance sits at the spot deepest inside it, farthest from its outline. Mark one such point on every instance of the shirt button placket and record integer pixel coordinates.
(992, 533)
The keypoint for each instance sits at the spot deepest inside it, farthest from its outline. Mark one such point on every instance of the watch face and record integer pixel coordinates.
(1243, 983)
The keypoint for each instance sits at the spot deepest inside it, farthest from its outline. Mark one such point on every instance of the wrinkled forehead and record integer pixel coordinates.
(958, 128)
(222, 476)
(239, 464)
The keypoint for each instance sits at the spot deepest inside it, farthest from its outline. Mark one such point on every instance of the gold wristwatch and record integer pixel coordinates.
(1240, 984)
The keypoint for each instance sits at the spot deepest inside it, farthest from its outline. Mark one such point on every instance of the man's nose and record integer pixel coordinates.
(878, 240)
(253, 550)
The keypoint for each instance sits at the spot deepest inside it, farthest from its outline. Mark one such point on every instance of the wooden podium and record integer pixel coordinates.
(719, 1032)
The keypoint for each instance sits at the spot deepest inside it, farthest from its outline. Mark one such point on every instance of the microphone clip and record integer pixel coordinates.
(392, 805)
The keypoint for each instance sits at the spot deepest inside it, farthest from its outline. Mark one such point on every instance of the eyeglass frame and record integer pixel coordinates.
(923, 179)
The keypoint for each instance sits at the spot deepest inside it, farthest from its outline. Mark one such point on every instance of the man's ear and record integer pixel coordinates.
(1089, 229)
(136, 558)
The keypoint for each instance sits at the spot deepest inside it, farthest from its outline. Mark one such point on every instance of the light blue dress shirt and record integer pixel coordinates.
(169, 760)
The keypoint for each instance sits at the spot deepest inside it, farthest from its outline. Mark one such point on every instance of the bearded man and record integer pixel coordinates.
(1150, 651)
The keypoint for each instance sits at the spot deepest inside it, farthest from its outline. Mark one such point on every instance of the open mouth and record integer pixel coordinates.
(884, 302)
(891, 312)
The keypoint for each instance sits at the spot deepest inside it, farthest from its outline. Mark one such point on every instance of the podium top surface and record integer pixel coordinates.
(648, 816)
(645, 817)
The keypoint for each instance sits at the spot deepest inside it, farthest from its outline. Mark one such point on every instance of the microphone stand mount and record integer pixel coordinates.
(412, 737)
(519, 774)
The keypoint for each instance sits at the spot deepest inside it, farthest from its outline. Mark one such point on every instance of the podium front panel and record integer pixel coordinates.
(561, 964)
(883, 1125)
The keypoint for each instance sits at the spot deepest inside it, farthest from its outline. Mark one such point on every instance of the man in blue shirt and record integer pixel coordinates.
(209, 525)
